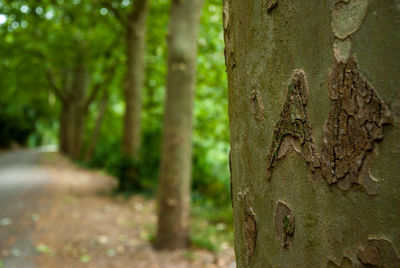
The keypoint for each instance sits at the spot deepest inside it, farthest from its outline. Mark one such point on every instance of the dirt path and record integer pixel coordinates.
(77, 223)
(22, 183)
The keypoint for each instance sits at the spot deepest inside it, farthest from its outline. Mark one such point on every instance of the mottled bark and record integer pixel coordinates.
(176, 158)
(135, 43)
(314, 110)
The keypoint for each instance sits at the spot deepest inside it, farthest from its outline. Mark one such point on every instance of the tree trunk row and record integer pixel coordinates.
(73, 112)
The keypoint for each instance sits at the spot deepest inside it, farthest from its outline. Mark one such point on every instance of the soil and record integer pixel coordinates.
(79, 223)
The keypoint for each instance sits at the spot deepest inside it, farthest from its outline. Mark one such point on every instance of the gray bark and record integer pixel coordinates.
(135, 44)
(176, 158)
(314, 101)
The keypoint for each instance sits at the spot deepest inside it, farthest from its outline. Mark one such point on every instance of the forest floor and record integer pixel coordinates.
(79, 223)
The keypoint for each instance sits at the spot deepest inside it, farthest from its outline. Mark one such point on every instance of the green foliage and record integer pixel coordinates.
(14, 129)
(211, 135)
(85, 258)
(42, 248)
(50, 34)
(214, 236)
(133, 176)
(22, 121)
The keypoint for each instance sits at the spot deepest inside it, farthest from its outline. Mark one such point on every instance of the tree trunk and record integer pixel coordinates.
(314, 144)
(176, 158)
(73, 112)
(96, 131)
(72, 121)
(135, 43)
(76, 130)
(63, 127)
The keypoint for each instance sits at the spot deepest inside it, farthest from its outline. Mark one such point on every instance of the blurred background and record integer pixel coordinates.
(46, 215)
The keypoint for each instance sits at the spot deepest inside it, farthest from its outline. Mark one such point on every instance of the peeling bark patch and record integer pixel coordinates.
(229, 58)
(293, 131)
(355, 121)
(342, 49)
(230, 175)
(250, 224)
(347, 17)
(284, 223)
(378, 253)
(225, 14)
(257, 105)
(271, 4)
(370, 255)
(251, 232)
(232, 60)
(346, 263)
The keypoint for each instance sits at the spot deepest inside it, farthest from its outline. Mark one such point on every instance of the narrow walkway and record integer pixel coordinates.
(22, 182)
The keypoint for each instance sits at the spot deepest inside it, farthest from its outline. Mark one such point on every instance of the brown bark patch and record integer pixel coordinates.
(355, 121)
(378, 253)
(284, 223)
(370, 255)
(293, 130)
(250, 224)
(257, 105)
(251, 232)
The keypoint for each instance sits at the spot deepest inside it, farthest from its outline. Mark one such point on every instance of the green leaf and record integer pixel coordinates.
(42, 248)
(85, 258)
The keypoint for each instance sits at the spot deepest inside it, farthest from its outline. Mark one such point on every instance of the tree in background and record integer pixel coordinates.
(176, 158)
(135, 43)
(47, 34)
(313, 141)
(94, 137)
(65, 42)
(71, 92)
(75, 92)
(133, 24)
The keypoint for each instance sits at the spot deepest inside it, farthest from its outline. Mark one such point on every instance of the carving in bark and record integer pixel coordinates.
(293, 131)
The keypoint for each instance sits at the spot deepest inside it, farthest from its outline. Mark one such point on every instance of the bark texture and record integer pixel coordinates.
(135, 43)
(176, 158)
(314, 108)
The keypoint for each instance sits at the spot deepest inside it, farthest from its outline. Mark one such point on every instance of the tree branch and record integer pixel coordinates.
(56, 90)
(109, 75)
(108, 72)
